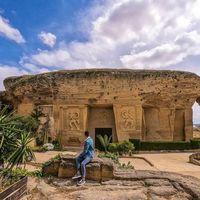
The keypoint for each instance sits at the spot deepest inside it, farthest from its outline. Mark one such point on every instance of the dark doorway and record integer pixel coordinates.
(102, 131)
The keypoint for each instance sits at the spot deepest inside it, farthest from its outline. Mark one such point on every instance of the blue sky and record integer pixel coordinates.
(43, 35)
(33, 16)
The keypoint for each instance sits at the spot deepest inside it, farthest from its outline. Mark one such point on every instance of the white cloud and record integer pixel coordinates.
(6, 71)
(9, 32)
(131, 33)
(47, 38)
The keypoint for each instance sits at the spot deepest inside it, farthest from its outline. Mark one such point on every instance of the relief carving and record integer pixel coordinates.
(127, 119)
(74, 120)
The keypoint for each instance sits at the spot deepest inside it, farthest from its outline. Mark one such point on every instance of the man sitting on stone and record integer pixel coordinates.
(85, 157)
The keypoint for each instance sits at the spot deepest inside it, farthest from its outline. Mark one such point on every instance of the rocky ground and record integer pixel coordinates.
(141, 185)
(150, 183)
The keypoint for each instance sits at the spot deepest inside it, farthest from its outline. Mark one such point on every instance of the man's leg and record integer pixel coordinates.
(83, 169)
(79, 159)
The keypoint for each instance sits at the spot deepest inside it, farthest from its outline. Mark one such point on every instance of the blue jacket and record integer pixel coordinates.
(88, 147)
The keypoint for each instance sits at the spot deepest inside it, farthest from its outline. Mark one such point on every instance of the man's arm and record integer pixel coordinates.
(86, 147)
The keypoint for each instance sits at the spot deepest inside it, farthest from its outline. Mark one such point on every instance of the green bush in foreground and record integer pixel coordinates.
(121, 148)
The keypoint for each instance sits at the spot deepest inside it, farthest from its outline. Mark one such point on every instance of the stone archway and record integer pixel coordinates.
(196, 118)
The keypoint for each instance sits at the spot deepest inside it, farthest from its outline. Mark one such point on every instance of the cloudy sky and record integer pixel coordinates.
(44, 35)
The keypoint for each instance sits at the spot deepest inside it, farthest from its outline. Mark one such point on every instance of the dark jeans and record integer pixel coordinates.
(81, 162)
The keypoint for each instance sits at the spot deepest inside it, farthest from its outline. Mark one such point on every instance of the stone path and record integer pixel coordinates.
(173, 162)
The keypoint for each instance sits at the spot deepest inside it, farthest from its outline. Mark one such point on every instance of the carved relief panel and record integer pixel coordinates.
(73, 119)
(126, 117)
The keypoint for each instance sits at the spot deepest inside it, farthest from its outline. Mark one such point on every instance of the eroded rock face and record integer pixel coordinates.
(148, 105)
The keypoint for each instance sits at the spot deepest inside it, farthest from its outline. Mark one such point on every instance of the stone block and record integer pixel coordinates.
(66, 170)
(93, 171)
(51, 169)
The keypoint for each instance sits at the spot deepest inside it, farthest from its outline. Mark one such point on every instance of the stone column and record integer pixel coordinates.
(188, 124)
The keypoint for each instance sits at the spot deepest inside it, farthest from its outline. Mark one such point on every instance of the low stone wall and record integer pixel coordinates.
(195, 158)
(98, 169)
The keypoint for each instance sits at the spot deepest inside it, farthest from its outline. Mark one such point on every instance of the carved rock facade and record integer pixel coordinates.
(143, 104)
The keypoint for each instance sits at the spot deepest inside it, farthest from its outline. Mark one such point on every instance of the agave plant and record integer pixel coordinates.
(14, 142)
(22, 152)
(104, 140)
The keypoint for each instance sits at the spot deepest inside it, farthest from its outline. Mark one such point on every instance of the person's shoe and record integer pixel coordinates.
(81, 182)
(76, 176)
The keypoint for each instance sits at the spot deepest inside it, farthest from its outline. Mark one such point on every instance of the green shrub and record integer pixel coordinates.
(28, 124)
(195, 143)
(113, 156)
(165, 145)
(126, 147)
(113, 147)
(137, 143)
(121, 148)
(8, 176)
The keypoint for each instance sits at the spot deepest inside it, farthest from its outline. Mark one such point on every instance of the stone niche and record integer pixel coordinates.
(158, 124)
(101, 117)
(167, 124)
(47, 120)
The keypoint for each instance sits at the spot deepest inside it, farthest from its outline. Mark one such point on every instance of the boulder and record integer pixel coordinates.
(195, 158)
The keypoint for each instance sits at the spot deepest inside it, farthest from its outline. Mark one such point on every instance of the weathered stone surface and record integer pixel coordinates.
(158, 188)
(195, 158)
(52, 169)
(128, 101)
(98, 169)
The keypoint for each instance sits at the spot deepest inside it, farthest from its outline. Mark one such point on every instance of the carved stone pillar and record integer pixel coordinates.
(128, 121)
(73, 124)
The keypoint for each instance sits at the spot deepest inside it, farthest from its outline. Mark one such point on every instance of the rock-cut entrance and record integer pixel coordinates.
(101, 121)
